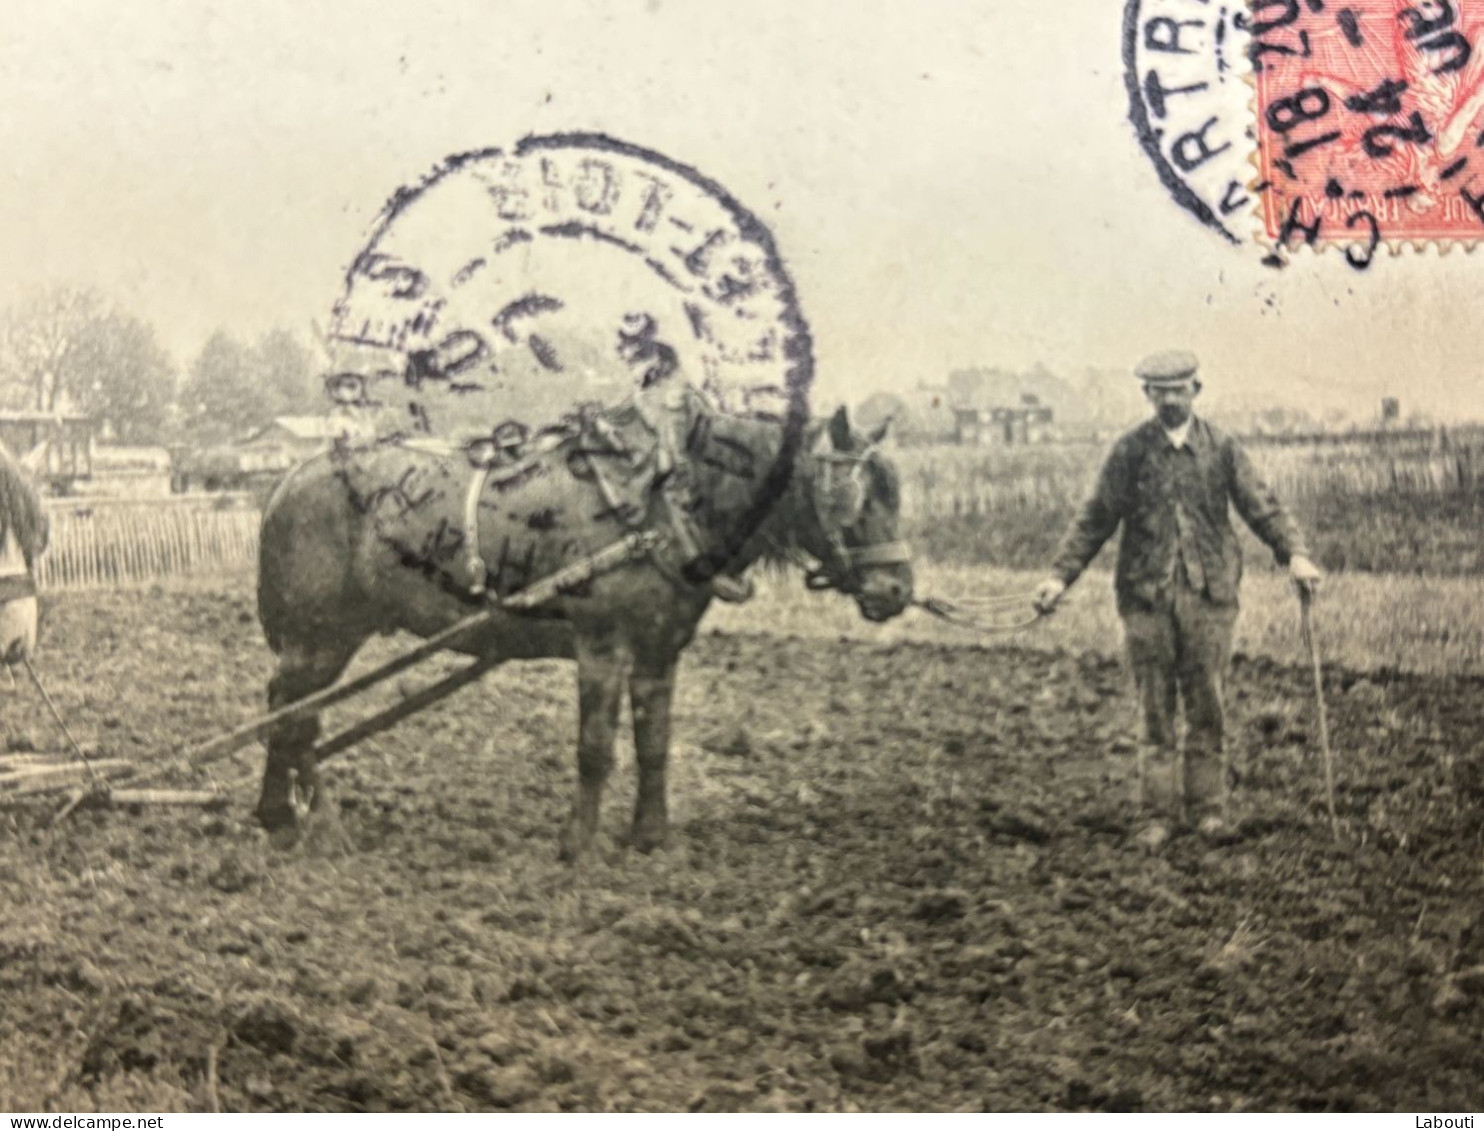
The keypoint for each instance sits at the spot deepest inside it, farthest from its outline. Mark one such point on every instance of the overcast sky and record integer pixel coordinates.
(951, 183)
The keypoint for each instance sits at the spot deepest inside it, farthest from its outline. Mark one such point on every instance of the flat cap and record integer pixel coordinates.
(1169, 367)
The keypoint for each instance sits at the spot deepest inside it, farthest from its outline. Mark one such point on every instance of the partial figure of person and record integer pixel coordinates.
(1169, 483)
(23, 538)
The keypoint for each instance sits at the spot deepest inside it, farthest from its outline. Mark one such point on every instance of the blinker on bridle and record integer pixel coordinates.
(843, 564)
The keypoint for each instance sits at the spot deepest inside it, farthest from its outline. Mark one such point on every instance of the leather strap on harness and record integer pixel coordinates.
(16, 586)
(881, 554)
(473, 560)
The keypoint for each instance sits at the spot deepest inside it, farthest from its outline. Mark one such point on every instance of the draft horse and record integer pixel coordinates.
(330, 578)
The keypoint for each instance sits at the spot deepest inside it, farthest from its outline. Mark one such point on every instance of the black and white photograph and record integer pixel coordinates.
(800, 557)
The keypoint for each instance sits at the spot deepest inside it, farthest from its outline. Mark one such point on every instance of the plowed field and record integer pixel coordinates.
(901, 877)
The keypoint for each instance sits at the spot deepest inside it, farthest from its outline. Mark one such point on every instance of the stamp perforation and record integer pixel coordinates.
(1364, 216)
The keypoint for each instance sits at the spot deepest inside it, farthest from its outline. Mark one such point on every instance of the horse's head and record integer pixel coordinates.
(852, 499)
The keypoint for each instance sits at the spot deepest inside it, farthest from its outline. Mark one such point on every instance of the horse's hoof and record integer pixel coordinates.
(647, 839)
(275, 817)
(574, 846)
(285, 837)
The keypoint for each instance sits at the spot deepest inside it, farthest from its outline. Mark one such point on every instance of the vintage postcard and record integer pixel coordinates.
(810, 557)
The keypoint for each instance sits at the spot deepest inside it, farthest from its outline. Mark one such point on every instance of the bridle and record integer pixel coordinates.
(842, 565)
(842, 568)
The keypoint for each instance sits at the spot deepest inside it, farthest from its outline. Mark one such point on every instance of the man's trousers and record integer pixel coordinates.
(1180, 653)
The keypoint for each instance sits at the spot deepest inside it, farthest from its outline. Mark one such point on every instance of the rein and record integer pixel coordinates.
(980, 613)
(983, 615)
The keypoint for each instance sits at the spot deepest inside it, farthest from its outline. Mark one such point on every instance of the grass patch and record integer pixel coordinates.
(1364, 507)
(1365, 623)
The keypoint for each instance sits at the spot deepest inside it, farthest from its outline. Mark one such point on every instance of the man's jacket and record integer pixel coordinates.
(1172, 503)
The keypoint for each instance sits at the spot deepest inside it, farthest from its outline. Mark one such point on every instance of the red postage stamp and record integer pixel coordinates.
(1370, 119)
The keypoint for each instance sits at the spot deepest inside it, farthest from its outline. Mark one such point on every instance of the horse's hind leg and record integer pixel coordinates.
(302, 670)
(602, 664)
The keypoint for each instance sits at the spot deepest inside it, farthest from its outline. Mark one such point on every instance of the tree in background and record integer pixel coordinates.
(124, 378)
(220, 401)
(233, 389)
(67, 349)
(41, 351)
(287, 375)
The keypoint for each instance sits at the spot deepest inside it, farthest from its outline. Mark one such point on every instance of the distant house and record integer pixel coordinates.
(1084, 405)
(56, 447)
(962, 413)
(262, 454)
(130, 472)
(922, 416)
(1026, 423)
(288, 440)
(306, 433)
(929, 418)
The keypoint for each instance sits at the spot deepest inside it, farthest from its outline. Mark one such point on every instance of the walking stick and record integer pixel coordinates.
(1306, 616)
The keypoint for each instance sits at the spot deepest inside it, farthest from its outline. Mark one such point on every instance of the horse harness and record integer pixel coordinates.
(597, 437)
(16, 587)
(835, 500)
(837, 504)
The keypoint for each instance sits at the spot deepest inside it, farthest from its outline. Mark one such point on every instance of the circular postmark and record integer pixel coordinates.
(514, 298)
(1183, 66)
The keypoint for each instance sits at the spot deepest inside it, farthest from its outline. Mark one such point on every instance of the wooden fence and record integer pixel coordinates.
(951, 481)
(105, 542)
(102, 543)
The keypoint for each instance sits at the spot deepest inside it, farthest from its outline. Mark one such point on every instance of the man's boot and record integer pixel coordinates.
(1205, 789)
(1155, 785)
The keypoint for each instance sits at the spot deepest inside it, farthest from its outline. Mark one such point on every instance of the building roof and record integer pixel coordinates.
(113, 457)
(307, 428)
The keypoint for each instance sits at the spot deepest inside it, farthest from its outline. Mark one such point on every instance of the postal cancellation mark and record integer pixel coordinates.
(1183, 64)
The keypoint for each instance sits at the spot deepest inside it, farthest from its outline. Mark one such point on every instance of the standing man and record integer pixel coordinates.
(1168, 482)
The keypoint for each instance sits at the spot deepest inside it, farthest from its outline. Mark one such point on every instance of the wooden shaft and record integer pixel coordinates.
(225, 744)
(626, 549)
(38, 779)
(163, 796)
(415, 702)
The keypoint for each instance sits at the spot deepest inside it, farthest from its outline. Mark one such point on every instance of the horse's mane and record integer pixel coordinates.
(777, 540)
(20, 508)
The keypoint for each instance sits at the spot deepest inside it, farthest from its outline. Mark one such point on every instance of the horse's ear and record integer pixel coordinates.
(840, 430)
(878, 433)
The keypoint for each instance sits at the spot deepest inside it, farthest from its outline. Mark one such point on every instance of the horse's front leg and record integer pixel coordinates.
(602, 664)
(651, 691)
